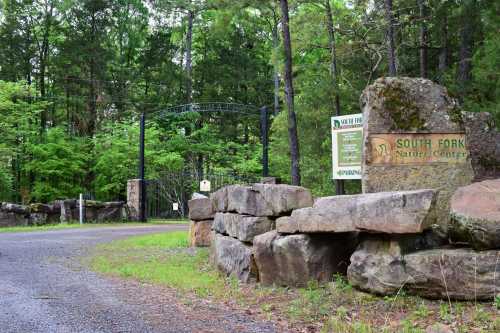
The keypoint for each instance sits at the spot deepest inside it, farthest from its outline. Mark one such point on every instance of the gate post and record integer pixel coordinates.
(142, 190)
(264, 131)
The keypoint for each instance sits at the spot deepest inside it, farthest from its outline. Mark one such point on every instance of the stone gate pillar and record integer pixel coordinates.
(134, 198)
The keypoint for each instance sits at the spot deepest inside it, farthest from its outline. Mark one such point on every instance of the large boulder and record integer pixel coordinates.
(294, 260)
(200, 233)
(261, 199)
(475, 214)
(387, 212)
(234, 258)
(328, 214)
(200, 208)
(243, 227)
(414, 263)
(458, 274)
(404, 146)
(377, 264)
(483, 140)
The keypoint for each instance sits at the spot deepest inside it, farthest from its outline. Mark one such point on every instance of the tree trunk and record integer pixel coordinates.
(333, 56)
(276, 76)
(292, 119)
(443, 53)
(44, 54)
(391, 48)
(92, 89)
(423, 38)
(189, 45)
(467, 18)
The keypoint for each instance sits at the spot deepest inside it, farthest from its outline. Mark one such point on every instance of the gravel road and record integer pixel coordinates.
(44, 288)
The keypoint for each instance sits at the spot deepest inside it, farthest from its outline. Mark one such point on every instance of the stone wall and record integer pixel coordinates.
(420, 225)
(60, 211)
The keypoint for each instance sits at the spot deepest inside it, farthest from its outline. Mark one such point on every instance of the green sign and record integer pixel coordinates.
(347, 143)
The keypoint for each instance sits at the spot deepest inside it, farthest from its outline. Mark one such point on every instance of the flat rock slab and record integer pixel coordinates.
(475, 214)
(294, 260)
(261, 199)
(200, 208)
(385, 268)
(243, 227)
(387, 212)
(402, 107)
(200, 233)
(234, 258)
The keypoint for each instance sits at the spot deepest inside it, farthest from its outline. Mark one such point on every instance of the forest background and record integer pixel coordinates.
(76, 75)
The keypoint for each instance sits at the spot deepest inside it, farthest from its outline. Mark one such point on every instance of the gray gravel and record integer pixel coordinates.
(43, 288)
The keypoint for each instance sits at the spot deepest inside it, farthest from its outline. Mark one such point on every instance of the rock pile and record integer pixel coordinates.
(201, 214)
(59, 211)
(425, 264)
(242, 214)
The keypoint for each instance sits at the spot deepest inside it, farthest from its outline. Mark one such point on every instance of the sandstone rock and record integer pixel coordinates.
(235, 258)
(328, 214)
(200, 233)
(11, 219)
(475, 214)
(219, 199)
(38, 218)
(461, 274)
(386, 266)
(110, 211)
(243, 227)
(377, 264)
(282, 199)
(484, 143)
(14, 208)
(294, 260)
(40, 208)
(396, 212)
(388, 212)
(200, 209)
(261, 199)
(398, 106)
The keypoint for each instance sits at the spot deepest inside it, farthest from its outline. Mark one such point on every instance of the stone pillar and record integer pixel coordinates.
(414, 138)
(134, 198)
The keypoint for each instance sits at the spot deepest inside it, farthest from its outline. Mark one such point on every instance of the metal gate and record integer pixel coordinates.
(178, 188)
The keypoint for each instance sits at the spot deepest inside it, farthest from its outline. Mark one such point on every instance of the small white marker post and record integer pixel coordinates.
(81, 208)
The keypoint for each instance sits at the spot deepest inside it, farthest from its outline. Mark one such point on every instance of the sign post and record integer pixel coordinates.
(347, 146)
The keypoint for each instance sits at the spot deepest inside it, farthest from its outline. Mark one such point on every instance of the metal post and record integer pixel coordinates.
(339, 183)
(264, 130)
(81, 208)
(142, 204)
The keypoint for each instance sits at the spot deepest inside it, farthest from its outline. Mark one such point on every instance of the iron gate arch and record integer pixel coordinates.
(214, 107)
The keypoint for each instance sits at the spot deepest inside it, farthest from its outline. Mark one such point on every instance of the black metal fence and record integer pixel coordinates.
(178, 188)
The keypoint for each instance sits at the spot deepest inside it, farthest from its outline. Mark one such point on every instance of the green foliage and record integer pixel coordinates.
(58, 165)
(86, 69)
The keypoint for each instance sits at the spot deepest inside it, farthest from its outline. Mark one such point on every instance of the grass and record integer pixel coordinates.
(165, 259)
(76, 225)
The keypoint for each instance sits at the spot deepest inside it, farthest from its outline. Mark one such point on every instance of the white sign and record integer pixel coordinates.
(175, 206)
(347, 146)
(205, 186)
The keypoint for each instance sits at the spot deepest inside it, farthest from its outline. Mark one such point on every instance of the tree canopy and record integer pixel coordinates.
(76, 75)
